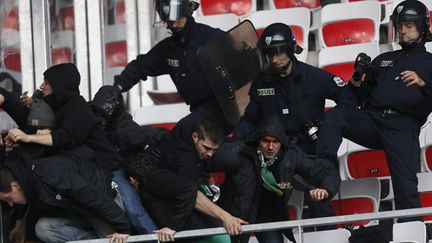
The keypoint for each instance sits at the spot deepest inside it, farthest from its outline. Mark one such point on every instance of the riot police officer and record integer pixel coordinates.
(177, 56)
(294, 91)
(396, 92)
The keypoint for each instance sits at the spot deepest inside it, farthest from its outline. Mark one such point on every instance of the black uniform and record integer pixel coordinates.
(296, 99)
(391, 119)
(178, 58)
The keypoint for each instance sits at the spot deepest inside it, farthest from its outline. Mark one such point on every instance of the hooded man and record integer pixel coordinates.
(260, 177)
(75, 169)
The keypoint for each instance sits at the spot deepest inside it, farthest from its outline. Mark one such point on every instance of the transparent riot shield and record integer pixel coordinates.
(231, 63)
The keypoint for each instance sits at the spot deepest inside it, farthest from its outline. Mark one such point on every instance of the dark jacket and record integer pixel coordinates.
(383, 87)
(75, 122)
(13, 107)
(122, 130)
(296, 99)
(178, 58)
(179, 155)
(242, 190)
(58, 184)
(170, 193)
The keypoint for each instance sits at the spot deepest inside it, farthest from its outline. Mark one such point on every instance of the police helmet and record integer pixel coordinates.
(412, 11)
(172, 10)
(277, 38)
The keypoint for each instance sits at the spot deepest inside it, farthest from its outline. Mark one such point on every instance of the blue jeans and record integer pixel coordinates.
(138, 216)
(74, 227)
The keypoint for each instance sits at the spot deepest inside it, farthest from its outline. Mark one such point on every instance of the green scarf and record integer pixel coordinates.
(269, 182)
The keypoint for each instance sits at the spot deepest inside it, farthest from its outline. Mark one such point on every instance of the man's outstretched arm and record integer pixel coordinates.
(232, 224)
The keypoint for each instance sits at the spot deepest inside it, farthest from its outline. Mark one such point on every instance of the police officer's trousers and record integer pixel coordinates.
(396, 134)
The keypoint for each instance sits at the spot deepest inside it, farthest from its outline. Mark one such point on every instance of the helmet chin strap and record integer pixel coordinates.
(409, 44)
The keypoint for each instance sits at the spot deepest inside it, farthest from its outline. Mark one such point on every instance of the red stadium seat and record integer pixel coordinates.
(348, 32)
(339, 60)
(12, 59)
(425, 191)
(349, 23)
(356, 197)
(67, 18)
(368, 163)
(12, 20)
(295, 3)
(353, 206)
(168, 126)
(61, 55)
(120, 12)
(343, 70)
(165, 97)
(116, 54)
(237, 7)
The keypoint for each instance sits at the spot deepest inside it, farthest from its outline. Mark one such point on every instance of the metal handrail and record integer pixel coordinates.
(283, 225)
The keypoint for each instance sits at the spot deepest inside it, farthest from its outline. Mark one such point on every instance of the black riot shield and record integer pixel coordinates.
(231, 63)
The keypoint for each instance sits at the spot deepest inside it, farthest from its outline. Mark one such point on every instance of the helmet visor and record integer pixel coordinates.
(171, 10)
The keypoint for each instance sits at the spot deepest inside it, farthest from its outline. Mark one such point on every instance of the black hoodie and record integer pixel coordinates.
(76, 125)
(243, 191)
(122, 130)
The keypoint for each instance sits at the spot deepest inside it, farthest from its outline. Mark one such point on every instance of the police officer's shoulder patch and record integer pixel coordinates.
(266, 92)
(339, 82)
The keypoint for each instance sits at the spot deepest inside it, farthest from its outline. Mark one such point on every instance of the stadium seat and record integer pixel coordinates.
(360, 162)
(12, 20)
(165, 97)
(356, 197)
(297, 18)
(339, 60)
(314, 7)
(161, 115)
(62, 47)
(333, 236)
(222, 21)
(67, 18)
(240, 8)
(426, 147)
(119, 12)
(295, 205)
(165, 92)
(425, 190)
(278, 4)
(349, 23)
(12, 58)
(409, 232)
(115, 46)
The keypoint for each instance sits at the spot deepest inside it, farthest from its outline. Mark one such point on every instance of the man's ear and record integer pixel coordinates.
(195, 137)
(16, 185)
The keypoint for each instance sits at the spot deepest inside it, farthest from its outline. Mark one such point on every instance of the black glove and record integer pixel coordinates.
(153, 151)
